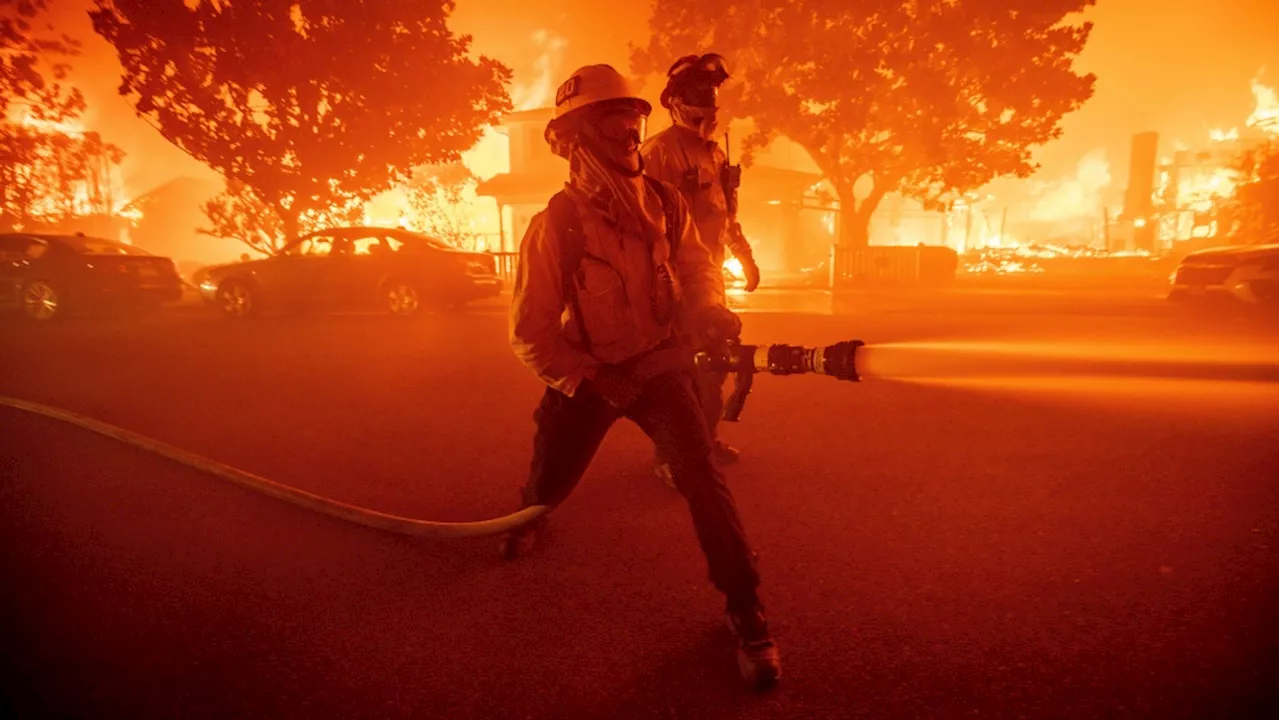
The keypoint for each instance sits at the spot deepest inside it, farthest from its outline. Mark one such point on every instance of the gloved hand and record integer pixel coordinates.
(751, 270)
(719, 323)
(741, 250)
(617, 389)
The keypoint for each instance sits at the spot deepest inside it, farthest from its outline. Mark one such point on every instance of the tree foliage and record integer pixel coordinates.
(930, 98)
(237, 213)
(437, 199)
(33, 66)
(303, 106)
(1252, 213)
(50, 170)
(49, 176)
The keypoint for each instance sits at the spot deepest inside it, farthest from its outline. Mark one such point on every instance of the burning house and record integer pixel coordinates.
(1179, 202)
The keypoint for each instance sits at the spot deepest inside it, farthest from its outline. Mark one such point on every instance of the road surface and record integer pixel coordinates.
(1040, 508)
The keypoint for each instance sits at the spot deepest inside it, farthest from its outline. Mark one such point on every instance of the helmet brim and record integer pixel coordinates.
(640, 105)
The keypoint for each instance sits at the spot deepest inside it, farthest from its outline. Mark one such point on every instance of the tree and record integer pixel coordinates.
(931, 98)
(1252, 214)
(48, 176)
(36, 108)
(237, 213)
(306, 106)
(32, 66)
(437, 197)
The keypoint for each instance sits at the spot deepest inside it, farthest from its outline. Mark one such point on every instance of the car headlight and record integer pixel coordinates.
(208, 285)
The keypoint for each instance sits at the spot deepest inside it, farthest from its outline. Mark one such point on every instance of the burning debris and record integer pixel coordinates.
(1034, 258)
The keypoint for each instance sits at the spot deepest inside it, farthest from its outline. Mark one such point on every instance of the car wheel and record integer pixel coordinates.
(401, 298)
(237, 299)
(1264, 290)
(41, 301)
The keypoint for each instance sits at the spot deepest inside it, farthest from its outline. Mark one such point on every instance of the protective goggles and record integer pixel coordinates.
(696, 80)
(620, 123)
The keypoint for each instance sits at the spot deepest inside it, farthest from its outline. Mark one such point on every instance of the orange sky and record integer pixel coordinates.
(1179, 67)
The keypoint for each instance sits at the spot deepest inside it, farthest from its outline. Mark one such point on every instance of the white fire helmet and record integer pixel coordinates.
(588, 86)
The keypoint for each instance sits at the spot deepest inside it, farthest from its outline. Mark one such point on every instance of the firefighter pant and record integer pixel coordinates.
(570, 430)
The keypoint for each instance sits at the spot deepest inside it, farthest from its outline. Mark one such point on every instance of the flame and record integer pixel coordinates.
(1200, 188)
(735, 277)
(734, 266)
(1020, 259)
(539, 93)
(1216, 135)
(1266, 109)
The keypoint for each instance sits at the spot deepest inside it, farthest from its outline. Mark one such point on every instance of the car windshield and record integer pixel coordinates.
(315, 245)
(98, 246)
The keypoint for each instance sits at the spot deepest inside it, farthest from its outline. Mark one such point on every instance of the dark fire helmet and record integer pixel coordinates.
(695, 80)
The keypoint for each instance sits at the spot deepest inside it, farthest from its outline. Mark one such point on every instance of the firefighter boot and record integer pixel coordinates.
(723, 453)
(662, 469)
(758, 657)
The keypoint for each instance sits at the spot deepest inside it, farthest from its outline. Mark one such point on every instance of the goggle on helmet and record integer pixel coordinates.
(695, 80)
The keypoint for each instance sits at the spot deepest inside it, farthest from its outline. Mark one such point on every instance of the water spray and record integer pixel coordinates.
(958, 361)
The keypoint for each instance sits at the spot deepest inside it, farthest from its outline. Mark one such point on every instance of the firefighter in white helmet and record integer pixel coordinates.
(687, 156)
(610, 275)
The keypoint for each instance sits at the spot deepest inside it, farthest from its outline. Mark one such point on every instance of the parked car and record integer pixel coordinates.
(1245, 273)
(46, 276)
(385, 269)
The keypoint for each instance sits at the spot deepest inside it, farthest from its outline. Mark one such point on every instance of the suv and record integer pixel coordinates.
(1244, 273)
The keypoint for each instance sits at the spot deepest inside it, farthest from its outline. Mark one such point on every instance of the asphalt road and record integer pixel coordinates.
(1037, 508)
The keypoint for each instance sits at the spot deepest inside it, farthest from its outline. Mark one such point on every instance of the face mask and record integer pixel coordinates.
(702, 120)
(710, 121)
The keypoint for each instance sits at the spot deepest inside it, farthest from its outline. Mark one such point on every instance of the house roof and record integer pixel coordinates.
(185, 190)
(521, 188)
(768, 175)
(523, 117)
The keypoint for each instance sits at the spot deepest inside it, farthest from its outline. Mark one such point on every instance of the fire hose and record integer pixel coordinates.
(742, 360)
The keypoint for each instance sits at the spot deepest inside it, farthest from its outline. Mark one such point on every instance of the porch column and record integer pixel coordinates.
(502, 226)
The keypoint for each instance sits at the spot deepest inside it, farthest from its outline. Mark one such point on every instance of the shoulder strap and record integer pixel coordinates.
(670, 210)
(573, 247)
